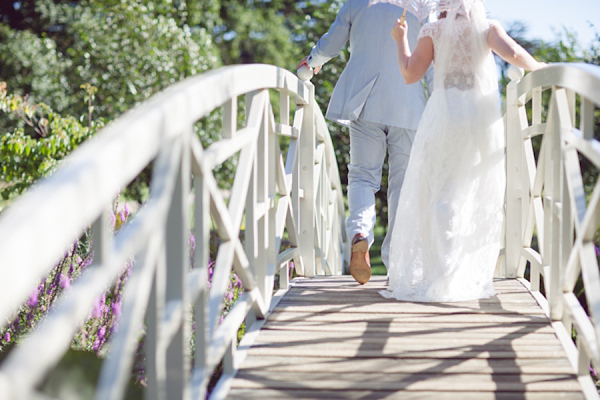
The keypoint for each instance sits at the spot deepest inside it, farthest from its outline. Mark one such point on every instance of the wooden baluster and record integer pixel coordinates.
(155, 357)
(514, 187)
(201, 260)
(177, 232)
(306, 228)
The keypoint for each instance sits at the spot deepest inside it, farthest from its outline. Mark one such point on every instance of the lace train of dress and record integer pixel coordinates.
(448, 225)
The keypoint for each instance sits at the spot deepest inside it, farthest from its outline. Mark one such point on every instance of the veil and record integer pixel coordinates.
(463, 55)
(464, 61)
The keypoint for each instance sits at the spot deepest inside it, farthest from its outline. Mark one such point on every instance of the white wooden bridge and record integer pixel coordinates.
(321, 334)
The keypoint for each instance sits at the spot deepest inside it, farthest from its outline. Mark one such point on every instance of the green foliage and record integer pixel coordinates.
(34, 148)
(127, 51)
(33, 65)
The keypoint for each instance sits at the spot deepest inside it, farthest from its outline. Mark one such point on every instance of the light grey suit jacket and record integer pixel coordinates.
(371, 86)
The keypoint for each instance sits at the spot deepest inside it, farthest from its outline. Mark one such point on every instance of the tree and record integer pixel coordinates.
(127, 50)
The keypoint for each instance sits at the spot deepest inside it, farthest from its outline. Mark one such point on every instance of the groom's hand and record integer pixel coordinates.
(399, 30)
(304, 61)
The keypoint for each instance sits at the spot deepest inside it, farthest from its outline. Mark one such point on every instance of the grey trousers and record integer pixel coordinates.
(369, 142)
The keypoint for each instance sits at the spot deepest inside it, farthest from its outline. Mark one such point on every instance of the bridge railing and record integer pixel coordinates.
(553, 201)
(293, 198)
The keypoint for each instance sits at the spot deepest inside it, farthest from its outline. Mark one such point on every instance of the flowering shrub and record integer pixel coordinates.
(41, 139)
(102, 321)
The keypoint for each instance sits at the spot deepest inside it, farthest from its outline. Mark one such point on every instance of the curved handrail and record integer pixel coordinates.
(298, 195)
(546, 200)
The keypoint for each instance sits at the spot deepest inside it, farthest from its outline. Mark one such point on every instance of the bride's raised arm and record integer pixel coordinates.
(412, 66)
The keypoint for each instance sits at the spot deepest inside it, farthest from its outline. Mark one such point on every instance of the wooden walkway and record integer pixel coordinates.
(331, 338)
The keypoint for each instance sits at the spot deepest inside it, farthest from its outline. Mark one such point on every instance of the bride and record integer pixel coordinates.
(450, 211)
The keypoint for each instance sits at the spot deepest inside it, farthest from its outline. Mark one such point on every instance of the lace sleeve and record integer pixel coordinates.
(426, 30)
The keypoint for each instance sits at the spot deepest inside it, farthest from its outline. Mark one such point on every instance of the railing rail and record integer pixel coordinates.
(546, 200)
(297, 195)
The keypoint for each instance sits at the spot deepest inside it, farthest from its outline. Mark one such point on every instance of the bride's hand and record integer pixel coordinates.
(399, 30)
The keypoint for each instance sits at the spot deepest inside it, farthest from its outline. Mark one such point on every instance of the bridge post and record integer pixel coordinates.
(306, 164)
(514, 180)
(559, 119)
(177, 256)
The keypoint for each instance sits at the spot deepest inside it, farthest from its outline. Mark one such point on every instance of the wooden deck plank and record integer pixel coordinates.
(332, 338)
(334, 316)
(420, 381)
(407, 308)
(262, 394)
(409, 366)
(398, 339)
(413, 328)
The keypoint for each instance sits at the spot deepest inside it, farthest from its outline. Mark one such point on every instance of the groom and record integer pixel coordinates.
(381, 110)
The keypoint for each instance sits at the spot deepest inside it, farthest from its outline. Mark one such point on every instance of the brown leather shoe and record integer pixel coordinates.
(360, 262)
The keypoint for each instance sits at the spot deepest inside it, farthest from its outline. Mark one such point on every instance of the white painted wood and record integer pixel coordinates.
(587, 118)
(114, 376)
(514, 189)
(558, 210)
(306, 216)
(230, 118)
(267, 198)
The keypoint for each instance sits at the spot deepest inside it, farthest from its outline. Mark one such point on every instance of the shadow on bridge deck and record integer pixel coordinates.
(331, 338)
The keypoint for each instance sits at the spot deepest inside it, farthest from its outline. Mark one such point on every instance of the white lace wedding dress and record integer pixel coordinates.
(448, 226)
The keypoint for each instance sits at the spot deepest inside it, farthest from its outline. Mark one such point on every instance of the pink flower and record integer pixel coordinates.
(65, 282)
(33, 299)
(97, 310)
(116, 309)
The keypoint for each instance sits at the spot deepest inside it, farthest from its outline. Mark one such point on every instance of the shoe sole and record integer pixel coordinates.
(359, 269)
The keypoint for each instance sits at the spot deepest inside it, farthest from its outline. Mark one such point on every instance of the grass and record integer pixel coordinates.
(377, 267)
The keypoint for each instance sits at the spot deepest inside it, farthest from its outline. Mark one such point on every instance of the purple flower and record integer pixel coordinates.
(98, 306)
(96, 345)
(87, 262)
(65, 282)
(101, 332)
(116, 309)
(33, 299)
(592, 369)
(7, 337)
(229, 296)
(192, 242)
(291, 264)
(29, 318)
